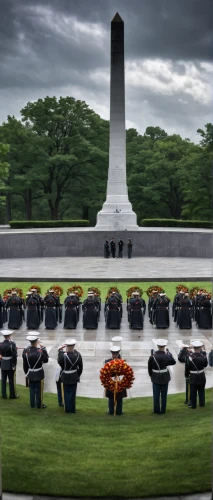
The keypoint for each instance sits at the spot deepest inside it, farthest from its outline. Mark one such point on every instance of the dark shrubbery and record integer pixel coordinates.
(176, 223)
(24, 224)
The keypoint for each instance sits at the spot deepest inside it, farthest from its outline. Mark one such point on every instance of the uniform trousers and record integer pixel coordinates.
(60, 400)
(119, 406)
(35, 394)
(200, 389)
(10, 374)
(69, 397)
(160, 391)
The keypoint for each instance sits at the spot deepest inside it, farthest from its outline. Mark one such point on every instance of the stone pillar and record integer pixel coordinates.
(117, 213)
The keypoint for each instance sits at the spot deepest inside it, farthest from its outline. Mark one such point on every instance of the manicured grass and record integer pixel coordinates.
(93, 454)
(170, 287)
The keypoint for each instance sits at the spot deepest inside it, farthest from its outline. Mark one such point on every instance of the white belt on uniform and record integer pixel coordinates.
(198, 371)
(160, 371)
(6, 358)
(69, 371)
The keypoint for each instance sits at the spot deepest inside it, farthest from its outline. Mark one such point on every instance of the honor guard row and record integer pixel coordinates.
(110, 248)
(71, 368)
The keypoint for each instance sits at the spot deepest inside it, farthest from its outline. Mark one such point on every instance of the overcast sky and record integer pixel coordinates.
(62, 47)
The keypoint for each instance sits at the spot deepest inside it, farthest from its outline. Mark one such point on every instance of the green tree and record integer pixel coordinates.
(66, 127)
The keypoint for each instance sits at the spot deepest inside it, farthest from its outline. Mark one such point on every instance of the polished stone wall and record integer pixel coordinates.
(86, 243)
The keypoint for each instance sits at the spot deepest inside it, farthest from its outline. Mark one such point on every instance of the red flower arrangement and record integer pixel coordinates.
(73, 288)
(134, 289)
(182, 288)
(57, 289)
(95, 290)
(7, 293)
(159, 289)
(113, 368)
(193, 292)
(112, 289)
(37, 288)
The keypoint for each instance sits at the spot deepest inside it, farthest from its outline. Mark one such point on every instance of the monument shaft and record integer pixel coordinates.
(117, 210)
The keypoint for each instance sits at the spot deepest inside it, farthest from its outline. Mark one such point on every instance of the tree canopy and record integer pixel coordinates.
(58, 157)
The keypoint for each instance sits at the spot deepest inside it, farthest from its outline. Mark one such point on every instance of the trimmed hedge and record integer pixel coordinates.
(24, 224)
(176, 223)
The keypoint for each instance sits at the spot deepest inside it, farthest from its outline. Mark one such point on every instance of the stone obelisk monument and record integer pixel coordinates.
(117, 213)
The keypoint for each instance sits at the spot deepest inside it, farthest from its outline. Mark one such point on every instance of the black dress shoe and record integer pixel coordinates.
(14, 397)
(61, 404)
(43, 406)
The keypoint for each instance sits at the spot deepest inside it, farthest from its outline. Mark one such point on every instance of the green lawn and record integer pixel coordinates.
(168, 286)
(93, 454)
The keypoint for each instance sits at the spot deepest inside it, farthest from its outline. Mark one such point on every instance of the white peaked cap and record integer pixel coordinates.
(6, 332)
(70, 342)
(13, 292)
(115, 348)
(32, 337)
(72, 294)
(161, 294)
(196, 343)
(161, 342)
(185, 345)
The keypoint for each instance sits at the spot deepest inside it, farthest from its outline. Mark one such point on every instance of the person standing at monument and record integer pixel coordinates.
(106, 249)
(113, 247)
(129, 248)
(72, 368)
(120, 248)
(8, 361)
(2, 316)
(33, 358)
(14, 304)
(159, 374)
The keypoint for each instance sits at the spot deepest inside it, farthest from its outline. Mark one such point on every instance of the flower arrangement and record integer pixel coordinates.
(57, 289)
(112, 289)
(7, 293)
(95, 290)
(193, 292)
(159, 289)
(182, 288)
(113, 368)
(134, 289)
(37, 288)
(74, 288)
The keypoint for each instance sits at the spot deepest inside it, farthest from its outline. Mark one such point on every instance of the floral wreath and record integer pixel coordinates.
(134, 289)
(7, 293)
(57, 289)
(193, 292)
(74, 288)
(182, 288)
(113, 368)
(112, 289)
(159, 289)
(37, 288)
(95, 290)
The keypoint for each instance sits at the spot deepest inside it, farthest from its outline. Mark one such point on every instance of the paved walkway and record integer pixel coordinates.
(198, 496)
(97, 268)
(94, 346)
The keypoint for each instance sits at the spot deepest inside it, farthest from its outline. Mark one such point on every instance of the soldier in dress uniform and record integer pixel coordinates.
(195, 365)
(33, 316)
(71, 313)
(161, 311)
(137, 310)
(115, 353)
(8, 361)
(175, 304)
(185, 351)
(160, 376)
(120, 248)
(2, 315)
(72, 368)
(51, 303)
(151, 300)
(113, 247)
(14, 304)
(90, 312)
(184, 316)
(33, 358)
(129, 248)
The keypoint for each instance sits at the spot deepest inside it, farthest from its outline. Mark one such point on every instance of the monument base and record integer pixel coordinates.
(116, 215)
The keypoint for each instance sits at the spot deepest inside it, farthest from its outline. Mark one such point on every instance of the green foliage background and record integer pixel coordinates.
(58, 157)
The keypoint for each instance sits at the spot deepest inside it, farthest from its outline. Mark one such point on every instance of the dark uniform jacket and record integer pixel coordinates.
(8, 351)
(33, 359)
(157, 367)
(195, 365)
(71, 302)
(72, 366)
